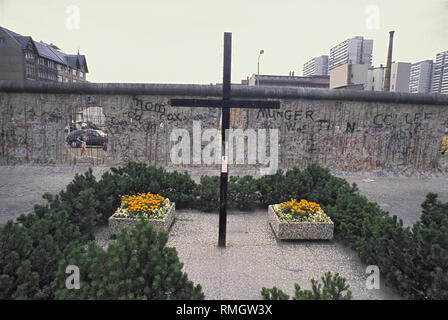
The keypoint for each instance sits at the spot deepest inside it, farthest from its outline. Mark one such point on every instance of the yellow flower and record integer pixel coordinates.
(143, 203)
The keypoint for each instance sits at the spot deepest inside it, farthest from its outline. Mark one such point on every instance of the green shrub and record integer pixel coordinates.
(333, 287)
(415, 262)
(242, 192)
(388, 245)
(430, 237)
(318, 185)
(108, 190)
(140, 178)
(378, 238)
(179, 188)
(293, 185)
(137, 266)
(348, 214)
(273, 293)
(30, 251)
(208, 192)
(32, 247)
(313, 184)
(80, 201)
(271, 189)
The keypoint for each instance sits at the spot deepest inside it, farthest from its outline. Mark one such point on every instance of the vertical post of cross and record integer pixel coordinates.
(225, 125)
(224, 104)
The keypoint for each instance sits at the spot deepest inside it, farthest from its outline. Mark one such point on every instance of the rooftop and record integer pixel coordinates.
(51, 51)
(289, 78)
(293, 81)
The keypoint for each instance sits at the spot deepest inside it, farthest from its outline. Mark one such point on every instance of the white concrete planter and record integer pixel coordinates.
(116, 223)
(300, 230)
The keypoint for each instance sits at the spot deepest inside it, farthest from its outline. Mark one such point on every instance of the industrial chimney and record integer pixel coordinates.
(389, 62)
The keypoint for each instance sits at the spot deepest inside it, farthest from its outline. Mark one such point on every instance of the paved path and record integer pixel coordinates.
(401, 196)
(21, 187)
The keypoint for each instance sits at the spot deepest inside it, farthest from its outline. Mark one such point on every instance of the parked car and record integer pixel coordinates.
(94, 138)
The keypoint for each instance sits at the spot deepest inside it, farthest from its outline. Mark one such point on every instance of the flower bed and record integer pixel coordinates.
(159, 211)
(300, 220)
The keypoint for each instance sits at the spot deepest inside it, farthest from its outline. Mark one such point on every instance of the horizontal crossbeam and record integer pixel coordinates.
(215, 103)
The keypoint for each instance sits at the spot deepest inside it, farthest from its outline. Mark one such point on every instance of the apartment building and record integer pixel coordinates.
(23, 59)
(420, 77)
(440, 73)
(356, 50)
(317, 66)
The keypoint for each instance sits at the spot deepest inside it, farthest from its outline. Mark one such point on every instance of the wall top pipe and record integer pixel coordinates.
(238, 90)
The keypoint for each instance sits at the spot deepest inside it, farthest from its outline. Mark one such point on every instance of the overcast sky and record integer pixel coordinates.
(181, 41)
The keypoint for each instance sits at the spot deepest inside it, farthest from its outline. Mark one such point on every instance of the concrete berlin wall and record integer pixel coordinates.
(342, 130)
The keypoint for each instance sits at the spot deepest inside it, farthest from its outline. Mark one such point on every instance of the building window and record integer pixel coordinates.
(60, 79)
(29, 56)
(50, 64)
(2, 40)
(74, 72)
(30, 72)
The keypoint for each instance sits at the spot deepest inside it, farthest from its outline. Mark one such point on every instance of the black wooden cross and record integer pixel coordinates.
(225, 104)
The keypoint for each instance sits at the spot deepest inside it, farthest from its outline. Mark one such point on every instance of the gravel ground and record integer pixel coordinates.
(401, 196)
(21, 187)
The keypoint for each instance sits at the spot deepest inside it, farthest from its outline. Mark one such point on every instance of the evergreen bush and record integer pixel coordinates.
(271, 189)
(208, 194)
(137, 266)
(242, 192)
(31, 250)
(333, 287)
(430, 239)
(136, 178)
(80, 201)
(179, 188)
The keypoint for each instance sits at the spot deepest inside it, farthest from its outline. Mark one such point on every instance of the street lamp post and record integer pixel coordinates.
(258, 67)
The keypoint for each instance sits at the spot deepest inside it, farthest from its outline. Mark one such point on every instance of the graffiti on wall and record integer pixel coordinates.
(353, 137)
(341, 135)
(51, 132)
